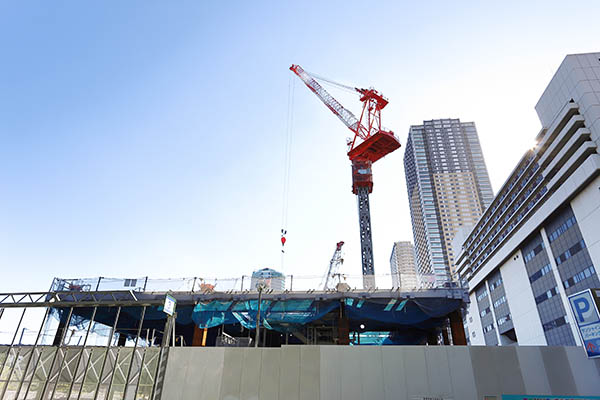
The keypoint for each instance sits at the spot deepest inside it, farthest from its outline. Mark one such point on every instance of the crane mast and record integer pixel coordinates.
(370, 143)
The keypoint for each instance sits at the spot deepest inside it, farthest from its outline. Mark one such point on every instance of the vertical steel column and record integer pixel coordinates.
(164, 343)
(366, 242)
(257, 337)
(157, 372)
(137, 338)
(137, 385)
(174, 323)
(12, 343)
(87, 367)
(108, 346)
(81, 355)
(35, 345)
(62, 337)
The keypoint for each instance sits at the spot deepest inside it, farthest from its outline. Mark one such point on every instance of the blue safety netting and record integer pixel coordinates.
(287, 315)
(402, 312)
(283, 315)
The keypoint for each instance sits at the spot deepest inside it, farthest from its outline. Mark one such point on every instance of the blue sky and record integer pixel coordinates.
(147, 138)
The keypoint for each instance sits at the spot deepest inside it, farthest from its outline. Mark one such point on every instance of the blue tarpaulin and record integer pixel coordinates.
(286, 315)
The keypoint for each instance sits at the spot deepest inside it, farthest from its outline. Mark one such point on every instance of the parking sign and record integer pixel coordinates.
(584, 306)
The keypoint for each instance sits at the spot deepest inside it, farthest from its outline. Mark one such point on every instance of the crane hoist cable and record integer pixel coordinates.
(287, 163)
(331, 82)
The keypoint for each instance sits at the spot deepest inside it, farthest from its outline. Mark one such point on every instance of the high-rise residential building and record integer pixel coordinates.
(539, 240)
(448, 189)
(403, 267)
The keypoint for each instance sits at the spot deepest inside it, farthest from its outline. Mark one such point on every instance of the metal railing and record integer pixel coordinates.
(244, 282)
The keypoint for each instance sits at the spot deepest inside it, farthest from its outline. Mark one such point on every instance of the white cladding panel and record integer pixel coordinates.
(523, 309)
(474, 322)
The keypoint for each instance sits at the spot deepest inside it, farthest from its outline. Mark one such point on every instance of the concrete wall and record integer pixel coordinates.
(586, 207)
(371, 372)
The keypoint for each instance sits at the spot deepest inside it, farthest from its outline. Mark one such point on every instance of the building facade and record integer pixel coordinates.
(448, 189)
(403, 267)
(272, 279)
(539, 241)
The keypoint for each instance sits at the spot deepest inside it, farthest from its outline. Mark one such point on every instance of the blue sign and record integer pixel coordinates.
(170, 303)
(587, 317)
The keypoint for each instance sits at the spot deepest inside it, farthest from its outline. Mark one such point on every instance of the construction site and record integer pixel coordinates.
(273, 337)
(107, 338)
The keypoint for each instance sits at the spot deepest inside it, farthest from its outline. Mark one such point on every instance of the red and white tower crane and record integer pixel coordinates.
(370, 143)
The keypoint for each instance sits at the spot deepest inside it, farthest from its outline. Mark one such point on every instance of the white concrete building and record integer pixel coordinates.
(272, 279)
(539, 241)
(403, 266)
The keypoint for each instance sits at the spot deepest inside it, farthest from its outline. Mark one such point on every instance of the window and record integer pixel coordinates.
(586, 273)
(554, 324)
(495, 284)
(488, 328)
(504, 319)
(130, 282)
(483, 313)
(543, 271)
(561, 229)
(571, 252)
(482, 295)
(527, 257)
(501, 300)
(546, 295)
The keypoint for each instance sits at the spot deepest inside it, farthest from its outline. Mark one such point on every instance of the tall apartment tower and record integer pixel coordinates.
(448, 190)
(403, 267)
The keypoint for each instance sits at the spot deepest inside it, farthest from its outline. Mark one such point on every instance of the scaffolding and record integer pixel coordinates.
(77, 342)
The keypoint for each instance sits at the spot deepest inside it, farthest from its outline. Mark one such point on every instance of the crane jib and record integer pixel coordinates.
(376, 142)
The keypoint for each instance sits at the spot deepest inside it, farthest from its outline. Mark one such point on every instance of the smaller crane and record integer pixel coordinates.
(334, 265)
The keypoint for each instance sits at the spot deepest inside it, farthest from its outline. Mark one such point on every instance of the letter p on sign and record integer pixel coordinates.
(583, 307)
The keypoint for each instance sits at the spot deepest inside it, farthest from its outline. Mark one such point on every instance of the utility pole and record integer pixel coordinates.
(260, 287)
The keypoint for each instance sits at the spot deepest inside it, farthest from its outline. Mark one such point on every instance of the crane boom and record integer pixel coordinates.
(334, 265)
(330, 102)
(376, 141)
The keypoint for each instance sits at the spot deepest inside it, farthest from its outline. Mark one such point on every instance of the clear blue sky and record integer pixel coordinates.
(147, 137)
